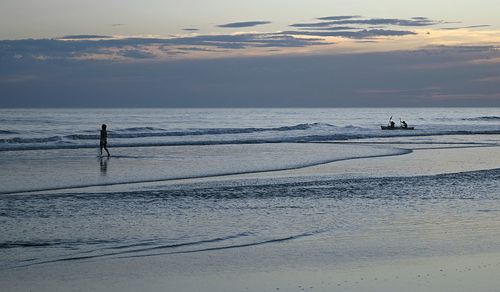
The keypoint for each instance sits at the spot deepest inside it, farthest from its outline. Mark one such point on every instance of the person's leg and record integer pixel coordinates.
(100, 148)
(106, 148)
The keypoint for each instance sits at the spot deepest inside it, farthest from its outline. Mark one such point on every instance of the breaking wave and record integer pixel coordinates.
(18, 140)
(483, 118)
(143, 132)
(152, 136)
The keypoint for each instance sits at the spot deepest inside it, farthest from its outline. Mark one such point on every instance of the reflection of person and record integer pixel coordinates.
(104, 140)
(104, 166)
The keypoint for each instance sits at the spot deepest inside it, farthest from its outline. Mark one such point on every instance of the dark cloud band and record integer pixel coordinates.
(415, 22)
(243, 24)
(136, 48)
(464, 27)
(84, 36)
(361, 34)
(339, 17)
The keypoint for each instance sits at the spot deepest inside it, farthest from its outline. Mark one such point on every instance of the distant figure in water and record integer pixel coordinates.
(404, 125)
(104, 139)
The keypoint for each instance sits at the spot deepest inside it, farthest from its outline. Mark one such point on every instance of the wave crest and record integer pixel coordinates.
(19, 140)
(483, 118)
(5, 132)
(143, 132)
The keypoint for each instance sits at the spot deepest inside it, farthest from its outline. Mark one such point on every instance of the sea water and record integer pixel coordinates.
(271, 221)
(79, 128)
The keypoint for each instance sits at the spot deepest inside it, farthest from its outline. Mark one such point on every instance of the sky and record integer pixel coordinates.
(233, 53)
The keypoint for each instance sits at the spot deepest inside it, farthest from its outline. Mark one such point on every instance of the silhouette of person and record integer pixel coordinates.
(392, 123)
(404, 125)
(104, 140)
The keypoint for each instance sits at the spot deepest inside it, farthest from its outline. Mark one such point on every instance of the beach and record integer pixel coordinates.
(302, 200)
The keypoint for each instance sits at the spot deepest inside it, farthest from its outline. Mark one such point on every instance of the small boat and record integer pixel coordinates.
(396, 128)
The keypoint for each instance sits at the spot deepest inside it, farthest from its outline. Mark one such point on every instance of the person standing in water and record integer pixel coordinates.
(104, 139)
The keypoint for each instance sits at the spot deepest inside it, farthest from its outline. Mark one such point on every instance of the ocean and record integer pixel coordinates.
(23, 129)
(212, 191)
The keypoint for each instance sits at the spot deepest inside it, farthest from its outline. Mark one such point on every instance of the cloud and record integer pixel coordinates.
(353, 34)
(486, 61)
(196, 49)
(260, 81)
(420, 18)
(329, 28)
(136, 54)
(304, 35)
(72, 47)
(84, 36)
(463, 27)
(366, 41)
(357, 27)
(237, 41)
(243, 24)
(464, 48)
(64, 71)
(372, 21)
(341, 17)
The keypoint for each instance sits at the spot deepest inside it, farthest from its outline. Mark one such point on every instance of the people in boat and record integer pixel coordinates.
(404, 125)
(392, 124)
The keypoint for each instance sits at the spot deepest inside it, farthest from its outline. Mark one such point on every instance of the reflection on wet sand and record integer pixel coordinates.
(103, 163)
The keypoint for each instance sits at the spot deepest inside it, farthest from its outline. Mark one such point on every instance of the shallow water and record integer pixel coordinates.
(70, 168)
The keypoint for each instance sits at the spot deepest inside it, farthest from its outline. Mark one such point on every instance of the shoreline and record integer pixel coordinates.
(415, 161)
(398, 151)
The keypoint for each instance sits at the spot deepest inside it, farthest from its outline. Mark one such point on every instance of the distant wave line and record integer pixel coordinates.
(483, 118)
